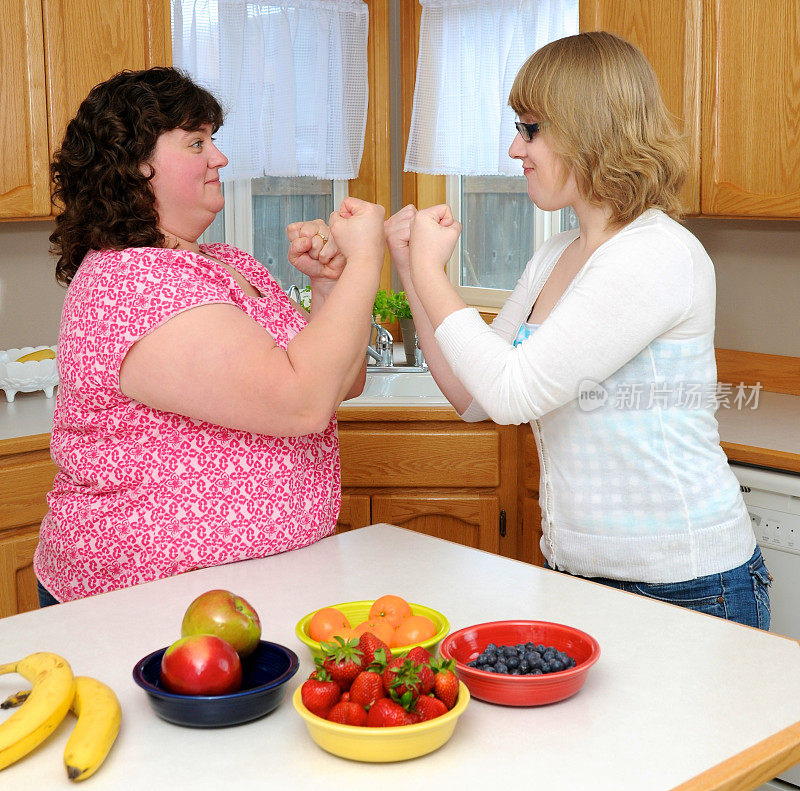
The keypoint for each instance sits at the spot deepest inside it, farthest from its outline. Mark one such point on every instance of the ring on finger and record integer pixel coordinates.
(322, 236)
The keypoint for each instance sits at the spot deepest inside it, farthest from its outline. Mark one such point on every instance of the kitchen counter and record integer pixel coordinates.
(768, 436)
(677, 699)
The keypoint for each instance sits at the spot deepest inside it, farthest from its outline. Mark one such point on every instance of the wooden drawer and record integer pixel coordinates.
(24, 481)
(17, 580)
(373, 458)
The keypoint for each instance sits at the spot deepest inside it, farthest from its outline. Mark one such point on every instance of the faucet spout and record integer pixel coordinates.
(382, 352)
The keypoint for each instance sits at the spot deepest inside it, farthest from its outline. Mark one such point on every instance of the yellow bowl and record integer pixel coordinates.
(380, 745)
(358, 611)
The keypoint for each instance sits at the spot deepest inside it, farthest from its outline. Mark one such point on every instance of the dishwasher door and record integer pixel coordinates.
(773, 501)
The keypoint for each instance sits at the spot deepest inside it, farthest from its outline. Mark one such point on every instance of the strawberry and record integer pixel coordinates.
(342, 659)
(445, 682)
(348, 713)
(366, 688)
(370, 645)
(385, 713)
(402, 681)
(320, 694)
(428, 708)
(419, 655)
(422, 659)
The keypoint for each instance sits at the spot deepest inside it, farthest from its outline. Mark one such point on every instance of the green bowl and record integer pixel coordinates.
(357, 611)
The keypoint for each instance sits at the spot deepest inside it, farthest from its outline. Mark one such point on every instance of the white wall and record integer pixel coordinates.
(30, 298)
(757, 264)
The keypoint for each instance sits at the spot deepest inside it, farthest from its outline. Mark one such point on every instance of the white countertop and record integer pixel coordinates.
(774, 424)
(673, 694)
(27, 414)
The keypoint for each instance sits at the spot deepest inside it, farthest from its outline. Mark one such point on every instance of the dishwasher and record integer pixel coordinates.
(773, 501)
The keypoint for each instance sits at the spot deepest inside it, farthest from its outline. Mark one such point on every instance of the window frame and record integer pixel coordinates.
(546, 224)
(239, 210)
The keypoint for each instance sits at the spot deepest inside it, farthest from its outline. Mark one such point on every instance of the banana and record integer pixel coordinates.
(44, 708)
(99, 714)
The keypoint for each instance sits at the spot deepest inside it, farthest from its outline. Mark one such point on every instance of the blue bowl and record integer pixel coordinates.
(264, 676)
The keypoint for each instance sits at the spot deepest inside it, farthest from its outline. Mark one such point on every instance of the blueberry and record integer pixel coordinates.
(490, 647)
(519, 647)
(531, 656)
(557, 665)
(488, 669)
(537, 672)
(501, 667)
(524, 666)
(512, 662)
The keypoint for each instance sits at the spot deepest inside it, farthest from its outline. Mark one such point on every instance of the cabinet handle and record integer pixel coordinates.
(502, 523)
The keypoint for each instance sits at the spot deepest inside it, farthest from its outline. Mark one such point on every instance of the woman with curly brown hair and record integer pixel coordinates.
(606, 345)
(195, 419)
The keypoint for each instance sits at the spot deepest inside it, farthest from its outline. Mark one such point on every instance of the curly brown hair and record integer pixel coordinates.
(103, 198)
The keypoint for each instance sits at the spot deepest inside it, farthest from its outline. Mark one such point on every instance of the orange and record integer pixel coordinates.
(327, 622)
(413, 629)
(380, 627)
(393, 608)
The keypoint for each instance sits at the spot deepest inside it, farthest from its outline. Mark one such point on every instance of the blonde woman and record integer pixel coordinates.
(605, 342)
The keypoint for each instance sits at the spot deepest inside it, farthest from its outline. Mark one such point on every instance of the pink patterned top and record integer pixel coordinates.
(143, 494)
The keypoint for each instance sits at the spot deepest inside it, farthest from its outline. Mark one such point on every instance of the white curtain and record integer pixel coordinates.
(291, 77)
(469, 53)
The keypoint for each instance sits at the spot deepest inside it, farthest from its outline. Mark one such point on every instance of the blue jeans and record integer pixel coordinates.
(46, 599)
(741, 594)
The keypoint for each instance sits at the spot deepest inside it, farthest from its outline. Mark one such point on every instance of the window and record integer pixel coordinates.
(257, 212)
(502, 229)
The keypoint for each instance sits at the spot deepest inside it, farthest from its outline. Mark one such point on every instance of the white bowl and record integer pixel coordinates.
(27, 377)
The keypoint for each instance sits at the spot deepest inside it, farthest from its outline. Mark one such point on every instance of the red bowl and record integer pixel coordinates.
(465, 644)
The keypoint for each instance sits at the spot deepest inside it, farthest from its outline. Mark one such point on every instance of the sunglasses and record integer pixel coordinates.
(526, 131)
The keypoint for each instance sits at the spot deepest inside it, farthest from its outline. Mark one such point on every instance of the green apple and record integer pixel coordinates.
(226, 615)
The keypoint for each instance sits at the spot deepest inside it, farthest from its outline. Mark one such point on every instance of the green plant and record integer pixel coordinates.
(391, 305)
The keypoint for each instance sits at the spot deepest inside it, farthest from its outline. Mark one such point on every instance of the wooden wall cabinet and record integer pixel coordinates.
(435, 475)
(728, 70)
(52, 52)
(26, 476)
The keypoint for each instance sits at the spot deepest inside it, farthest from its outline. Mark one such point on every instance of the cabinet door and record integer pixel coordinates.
(88, 42)
(751, 116)
(530, 551)
(471, 520)
(669, 34)
(17, 580)
(354, 513)
(25, 479)
(24, 173)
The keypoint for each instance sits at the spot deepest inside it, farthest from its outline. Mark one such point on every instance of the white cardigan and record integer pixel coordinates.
(617, 384)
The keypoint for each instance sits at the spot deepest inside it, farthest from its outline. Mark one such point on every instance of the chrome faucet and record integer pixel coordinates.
(294, 293)
(382, 352)
(419, 359)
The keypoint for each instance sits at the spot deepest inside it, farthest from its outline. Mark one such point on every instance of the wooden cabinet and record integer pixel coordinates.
(24, 177)
(751, 109)
(425, 470)
(26, 475)
(728, 71)
(52, 52)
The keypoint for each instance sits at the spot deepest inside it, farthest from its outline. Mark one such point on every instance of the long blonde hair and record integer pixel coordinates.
(597, 98)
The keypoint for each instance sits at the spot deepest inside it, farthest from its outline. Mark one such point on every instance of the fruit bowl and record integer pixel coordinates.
(357, 611)
(380, 745)
(27, 377)
(524, 690)
(264, 676)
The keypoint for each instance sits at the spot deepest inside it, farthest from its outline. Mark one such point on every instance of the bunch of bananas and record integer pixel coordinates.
(54, 692)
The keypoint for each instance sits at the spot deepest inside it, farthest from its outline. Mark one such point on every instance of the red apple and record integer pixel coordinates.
(201, 664)
(227, 616)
